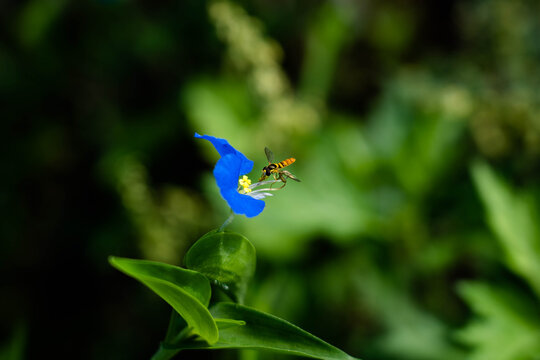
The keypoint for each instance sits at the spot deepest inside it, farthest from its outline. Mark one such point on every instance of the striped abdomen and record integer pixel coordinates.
(285, 162)
(273, 168)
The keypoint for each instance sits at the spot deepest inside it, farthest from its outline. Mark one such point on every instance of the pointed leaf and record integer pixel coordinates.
(513, 217)
(188, 292)
(226, 258)
(506, 326)
(265, 332)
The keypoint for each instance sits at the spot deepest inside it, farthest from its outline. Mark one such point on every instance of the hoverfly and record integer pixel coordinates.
(277, 168)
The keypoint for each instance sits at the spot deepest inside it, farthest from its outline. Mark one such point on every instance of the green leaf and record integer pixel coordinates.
(507, 327)
(36, 18)
(410, 332)
(14, 348)
(513, 217)
(265, 332)
(330, 31)
(188, 292)
(176, 329)
(226, 258)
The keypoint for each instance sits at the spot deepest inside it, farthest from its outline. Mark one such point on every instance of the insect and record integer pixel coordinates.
(277, 168)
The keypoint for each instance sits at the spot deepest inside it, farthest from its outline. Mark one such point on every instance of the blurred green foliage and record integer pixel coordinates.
(416, 128)
(14, 349)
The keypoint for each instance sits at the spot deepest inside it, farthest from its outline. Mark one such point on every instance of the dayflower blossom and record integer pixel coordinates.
(234, 185)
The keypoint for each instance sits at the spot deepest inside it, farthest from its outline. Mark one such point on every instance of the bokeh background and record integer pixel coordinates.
(416, 129)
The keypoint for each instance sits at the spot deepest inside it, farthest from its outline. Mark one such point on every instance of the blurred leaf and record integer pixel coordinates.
(411, 332)
(265, 332)
(509, 328)
(282, 293)
(388, 124)
(188, 292)
(206, 100)
(409, 136)
(36, 18)
(226, 258)
(13, 349)
(325, 39)
(393, 29)
(513, 217)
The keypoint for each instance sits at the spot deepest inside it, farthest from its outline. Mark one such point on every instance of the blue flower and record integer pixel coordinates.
(232, 165)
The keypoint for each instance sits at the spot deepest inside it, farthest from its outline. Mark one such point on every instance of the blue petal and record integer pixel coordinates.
(224, 148)
(227, 172)
(243, 204)
(228, 169)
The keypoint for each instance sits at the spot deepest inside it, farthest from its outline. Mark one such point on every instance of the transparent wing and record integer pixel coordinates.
(269, 155)
(290, 176)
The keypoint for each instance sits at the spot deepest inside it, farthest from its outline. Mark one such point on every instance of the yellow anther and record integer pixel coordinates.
(245, 180)
(244, 183)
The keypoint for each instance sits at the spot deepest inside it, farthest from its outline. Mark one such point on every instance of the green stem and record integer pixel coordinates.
(227, 222)
(176, 333)
(184, 334)
(164, 354)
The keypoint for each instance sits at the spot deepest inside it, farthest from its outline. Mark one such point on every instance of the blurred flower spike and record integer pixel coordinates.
(234, 185)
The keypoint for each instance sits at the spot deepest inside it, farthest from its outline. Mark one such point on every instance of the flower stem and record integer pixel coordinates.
(227, 222)
(164, 354)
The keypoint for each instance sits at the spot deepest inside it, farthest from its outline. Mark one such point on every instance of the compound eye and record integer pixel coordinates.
(268, 172)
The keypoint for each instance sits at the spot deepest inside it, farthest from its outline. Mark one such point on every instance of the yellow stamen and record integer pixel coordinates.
(244, 183)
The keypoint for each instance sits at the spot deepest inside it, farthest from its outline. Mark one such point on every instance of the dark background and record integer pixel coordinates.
(388, 107)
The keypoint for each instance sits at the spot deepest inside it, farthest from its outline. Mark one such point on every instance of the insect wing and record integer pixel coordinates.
(290, 176)
(269, 155)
